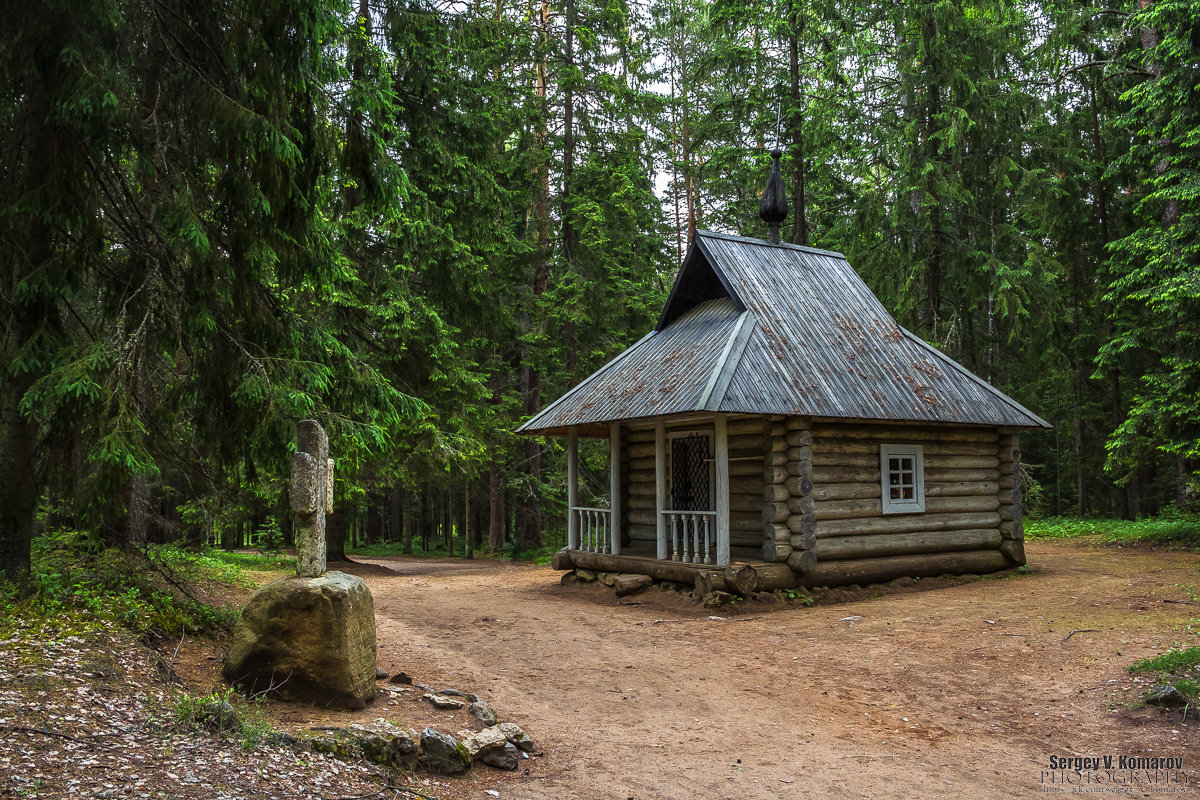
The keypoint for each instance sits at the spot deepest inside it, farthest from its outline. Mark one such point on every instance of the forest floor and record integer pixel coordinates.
(949, 688)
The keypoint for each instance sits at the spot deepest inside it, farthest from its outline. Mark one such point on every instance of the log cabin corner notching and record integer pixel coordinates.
(778, 428)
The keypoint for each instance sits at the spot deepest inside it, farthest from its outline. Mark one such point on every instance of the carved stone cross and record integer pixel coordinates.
(311, 494)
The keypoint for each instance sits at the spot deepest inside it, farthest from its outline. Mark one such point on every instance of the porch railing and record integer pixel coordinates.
(693, 536)
(595, 529)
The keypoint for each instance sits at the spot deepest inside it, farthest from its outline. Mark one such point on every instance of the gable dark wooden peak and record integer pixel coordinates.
(701, 278)
(698, 280)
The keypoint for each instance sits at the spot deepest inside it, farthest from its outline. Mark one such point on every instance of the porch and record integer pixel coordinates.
(696, 535)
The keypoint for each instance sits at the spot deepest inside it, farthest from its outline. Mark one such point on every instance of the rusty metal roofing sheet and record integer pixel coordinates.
(665, 373)
(822, 345)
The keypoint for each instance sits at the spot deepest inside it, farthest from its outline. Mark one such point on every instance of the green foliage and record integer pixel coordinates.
(799, 596)
(1172, 661)
(269, 537)
(1167, 530)
(152, 592)
(1156, 267)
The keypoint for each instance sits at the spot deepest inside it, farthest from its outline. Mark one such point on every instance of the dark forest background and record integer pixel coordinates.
(418, 222)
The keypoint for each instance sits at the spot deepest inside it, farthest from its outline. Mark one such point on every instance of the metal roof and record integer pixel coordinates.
(759, 328)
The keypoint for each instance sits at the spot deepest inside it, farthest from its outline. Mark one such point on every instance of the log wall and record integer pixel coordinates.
(972, 501)
(807, 494)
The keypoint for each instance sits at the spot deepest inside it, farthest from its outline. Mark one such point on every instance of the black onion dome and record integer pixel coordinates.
(773, 208)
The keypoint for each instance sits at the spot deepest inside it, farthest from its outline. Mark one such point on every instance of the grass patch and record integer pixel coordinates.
(1167, 530)
(220, 560)
(1179, 667)
(1172, 661)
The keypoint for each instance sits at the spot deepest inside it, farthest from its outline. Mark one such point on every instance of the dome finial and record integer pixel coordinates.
(773, 208)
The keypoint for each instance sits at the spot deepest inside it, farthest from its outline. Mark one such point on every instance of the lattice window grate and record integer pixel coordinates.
(690, 480)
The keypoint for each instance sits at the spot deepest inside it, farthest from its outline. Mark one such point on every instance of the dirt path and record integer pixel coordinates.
(969, 688)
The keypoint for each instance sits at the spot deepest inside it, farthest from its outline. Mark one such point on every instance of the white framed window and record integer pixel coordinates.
(902, 478)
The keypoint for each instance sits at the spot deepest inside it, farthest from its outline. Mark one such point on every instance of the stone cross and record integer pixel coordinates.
(311, 494)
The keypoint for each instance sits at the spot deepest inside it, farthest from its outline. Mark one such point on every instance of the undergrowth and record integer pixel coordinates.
(1169, 529)
(540, 555)
(224, 713)
(162, 590)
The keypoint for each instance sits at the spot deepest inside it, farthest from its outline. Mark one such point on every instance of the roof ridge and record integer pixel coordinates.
(764, 243)
(722, 374)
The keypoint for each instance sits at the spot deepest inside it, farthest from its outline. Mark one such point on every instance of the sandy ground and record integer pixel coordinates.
(965, 690)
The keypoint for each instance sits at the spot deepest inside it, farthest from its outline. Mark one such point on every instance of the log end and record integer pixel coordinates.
(1014, 551)
(802, 561)
(562, 560)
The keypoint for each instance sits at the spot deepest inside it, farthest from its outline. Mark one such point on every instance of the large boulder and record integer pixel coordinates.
(310, 639)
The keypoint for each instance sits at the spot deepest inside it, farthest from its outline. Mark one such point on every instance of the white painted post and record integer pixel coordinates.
(721, 436)
(572, 487)
(660, 486)
(614, 485)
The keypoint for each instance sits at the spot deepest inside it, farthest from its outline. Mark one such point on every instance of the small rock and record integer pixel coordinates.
(1166, 697)
(513, 733)
(336, 747)
(401, 678)
(568, 579)
(472, 697)
(443, 754)
(627, 583)
(380, 675)
(484, 742)
(404, 748)
(450, 693)
(585, 575)
(482, 712)
(505, 758)
(218, 715)
(281, 739)
(607, 578)
(717, 599)
(374, 747)
(443, 702)
(424, 688)
(403, 743)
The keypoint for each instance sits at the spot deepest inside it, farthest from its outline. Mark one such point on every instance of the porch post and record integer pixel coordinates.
(660, 487)
(572, 487)
(722, 463)
(614, 485)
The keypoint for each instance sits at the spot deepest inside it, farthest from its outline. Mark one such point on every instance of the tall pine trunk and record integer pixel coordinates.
(495, 508)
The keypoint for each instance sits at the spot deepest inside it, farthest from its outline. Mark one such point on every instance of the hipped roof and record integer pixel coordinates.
(757, 328)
